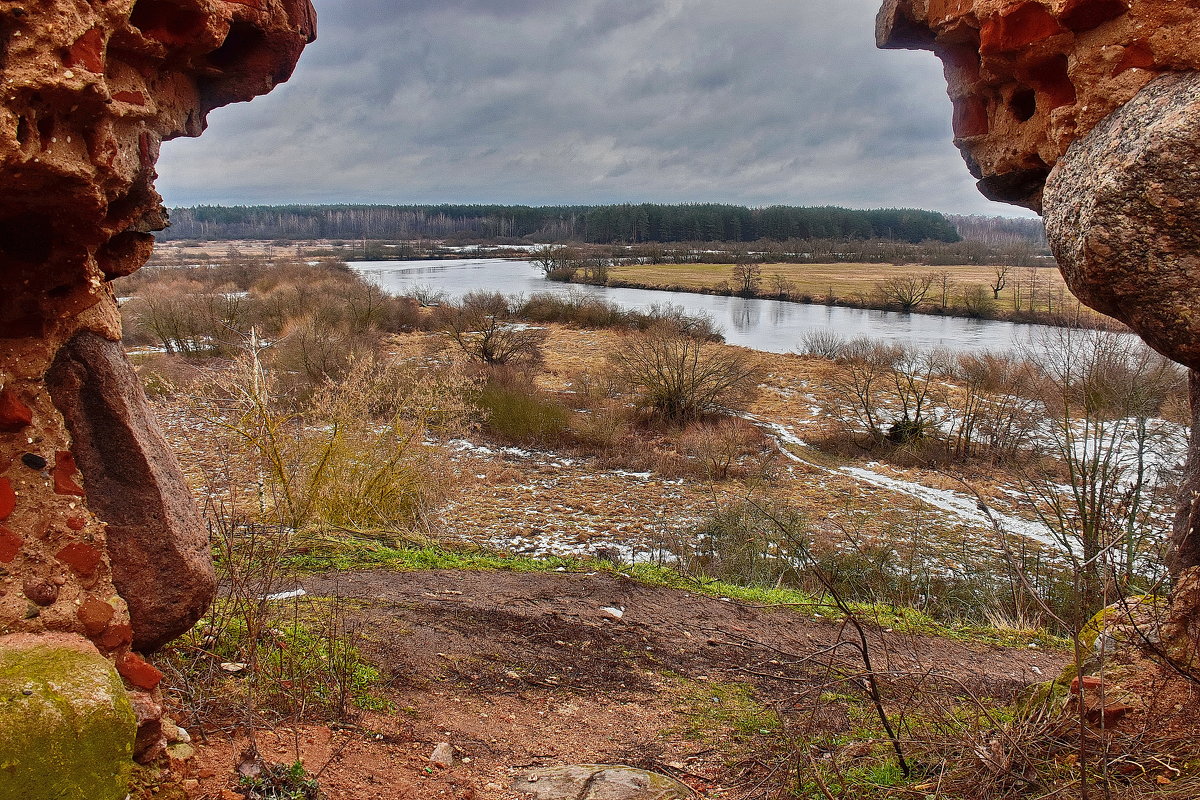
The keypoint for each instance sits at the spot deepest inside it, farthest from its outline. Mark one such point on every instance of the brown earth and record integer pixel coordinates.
(520, 670)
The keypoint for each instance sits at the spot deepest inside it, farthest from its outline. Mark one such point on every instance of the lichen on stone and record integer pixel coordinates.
(66, 725)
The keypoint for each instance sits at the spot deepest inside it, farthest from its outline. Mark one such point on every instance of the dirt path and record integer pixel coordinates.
(519, 670)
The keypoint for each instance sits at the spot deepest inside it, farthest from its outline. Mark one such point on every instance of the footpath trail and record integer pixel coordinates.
(519, 670)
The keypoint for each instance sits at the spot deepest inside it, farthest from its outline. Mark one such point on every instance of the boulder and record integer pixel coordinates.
(599, 782)
(66, 726)
(1120, 211)
(157, 543)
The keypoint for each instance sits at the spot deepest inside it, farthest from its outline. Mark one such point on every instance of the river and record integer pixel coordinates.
(773, 326)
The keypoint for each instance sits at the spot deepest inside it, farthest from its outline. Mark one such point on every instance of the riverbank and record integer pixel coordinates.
(1027, 295)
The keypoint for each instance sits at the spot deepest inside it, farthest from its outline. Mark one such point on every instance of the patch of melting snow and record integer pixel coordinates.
(959, 505)
(645, 476)
(964, 508)
(286, 595)
(463, 446)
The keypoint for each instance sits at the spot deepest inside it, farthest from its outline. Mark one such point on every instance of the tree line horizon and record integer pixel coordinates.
(594, 224)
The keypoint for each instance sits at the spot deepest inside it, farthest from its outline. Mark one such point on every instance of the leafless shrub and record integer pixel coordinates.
(727, 448)
(976, 301)
(491, 338)
(679, 378)
(823, 343)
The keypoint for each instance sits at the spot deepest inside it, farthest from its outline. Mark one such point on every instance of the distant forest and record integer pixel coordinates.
(592, 224)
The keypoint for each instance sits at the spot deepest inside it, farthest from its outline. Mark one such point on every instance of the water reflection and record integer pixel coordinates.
(746, 314)
(769, 325)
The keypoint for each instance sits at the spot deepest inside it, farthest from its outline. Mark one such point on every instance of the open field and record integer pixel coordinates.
(436, 548)
(857, 282)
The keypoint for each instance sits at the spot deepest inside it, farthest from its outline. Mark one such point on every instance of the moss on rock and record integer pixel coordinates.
(66, 725)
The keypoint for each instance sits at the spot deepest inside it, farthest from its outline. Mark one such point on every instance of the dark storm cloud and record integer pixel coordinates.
(592, 101)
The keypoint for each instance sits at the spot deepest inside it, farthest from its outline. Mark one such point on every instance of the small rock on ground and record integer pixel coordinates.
(599, 782)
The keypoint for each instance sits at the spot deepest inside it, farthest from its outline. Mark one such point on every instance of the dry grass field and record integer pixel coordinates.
(857, 281)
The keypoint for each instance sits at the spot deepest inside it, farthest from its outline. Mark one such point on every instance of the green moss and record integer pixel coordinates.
(1115, 614)
(66, 726)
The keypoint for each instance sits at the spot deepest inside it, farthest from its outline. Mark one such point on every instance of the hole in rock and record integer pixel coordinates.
(167, 22)
(22, 130)
(26, 238)
(243, 45)
(1023, 104)
(1083, 15)
(1050, 79)
(45, 127)
(126, 206)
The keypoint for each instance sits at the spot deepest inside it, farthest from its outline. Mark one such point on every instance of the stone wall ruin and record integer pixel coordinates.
(1088, 111)
(99, 538)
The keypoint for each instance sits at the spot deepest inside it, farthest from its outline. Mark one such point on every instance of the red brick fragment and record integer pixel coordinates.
(8, 499)
(76, 523)
(135, 98)
(64, 474)
(87, 52)
(94, 615)
(116, 636)
(1108, 715)
(138, 671)
(81, 558)
(1013, 30)
(970, 117)
(14, 414)
(1090, 683)
(10, 545)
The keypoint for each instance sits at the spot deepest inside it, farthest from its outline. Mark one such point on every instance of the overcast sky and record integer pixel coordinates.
(756, 102)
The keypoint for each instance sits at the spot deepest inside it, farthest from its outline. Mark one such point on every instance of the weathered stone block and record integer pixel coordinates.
(66, 725)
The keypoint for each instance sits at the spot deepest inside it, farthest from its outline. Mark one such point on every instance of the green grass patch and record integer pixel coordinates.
(715, 710)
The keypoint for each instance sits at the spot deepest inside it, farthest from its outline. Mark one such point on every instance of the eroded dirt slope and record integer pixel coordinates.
(520, 670)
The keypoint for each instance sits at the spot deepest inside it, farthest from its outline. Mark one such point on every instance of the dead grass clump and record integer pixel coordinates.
(515, 410)
(728, 448)
(352, 456)
(318, 317)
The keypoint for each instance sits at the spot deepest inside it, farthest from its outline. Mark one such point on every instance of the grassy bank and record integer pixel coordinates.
(1027, 294)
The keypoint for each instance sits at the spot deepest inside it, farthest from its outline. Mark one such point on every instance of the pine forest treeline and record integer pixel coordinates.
(594, 224)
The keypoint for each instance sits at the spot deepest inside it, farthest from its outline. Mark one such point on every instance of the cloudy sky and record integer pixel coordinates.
(756, 102)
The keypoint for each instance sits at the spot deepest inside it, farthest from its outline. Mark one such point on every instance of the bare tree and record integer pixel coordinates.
(1001, 279)
(557, 261)
(1102, 394)
(945, 284)
(907, 291)
(747, 278)
(781, 287)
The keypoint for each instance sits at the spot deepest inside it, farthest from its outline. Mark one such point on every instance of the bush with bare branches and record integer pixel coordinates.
(679, 378)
